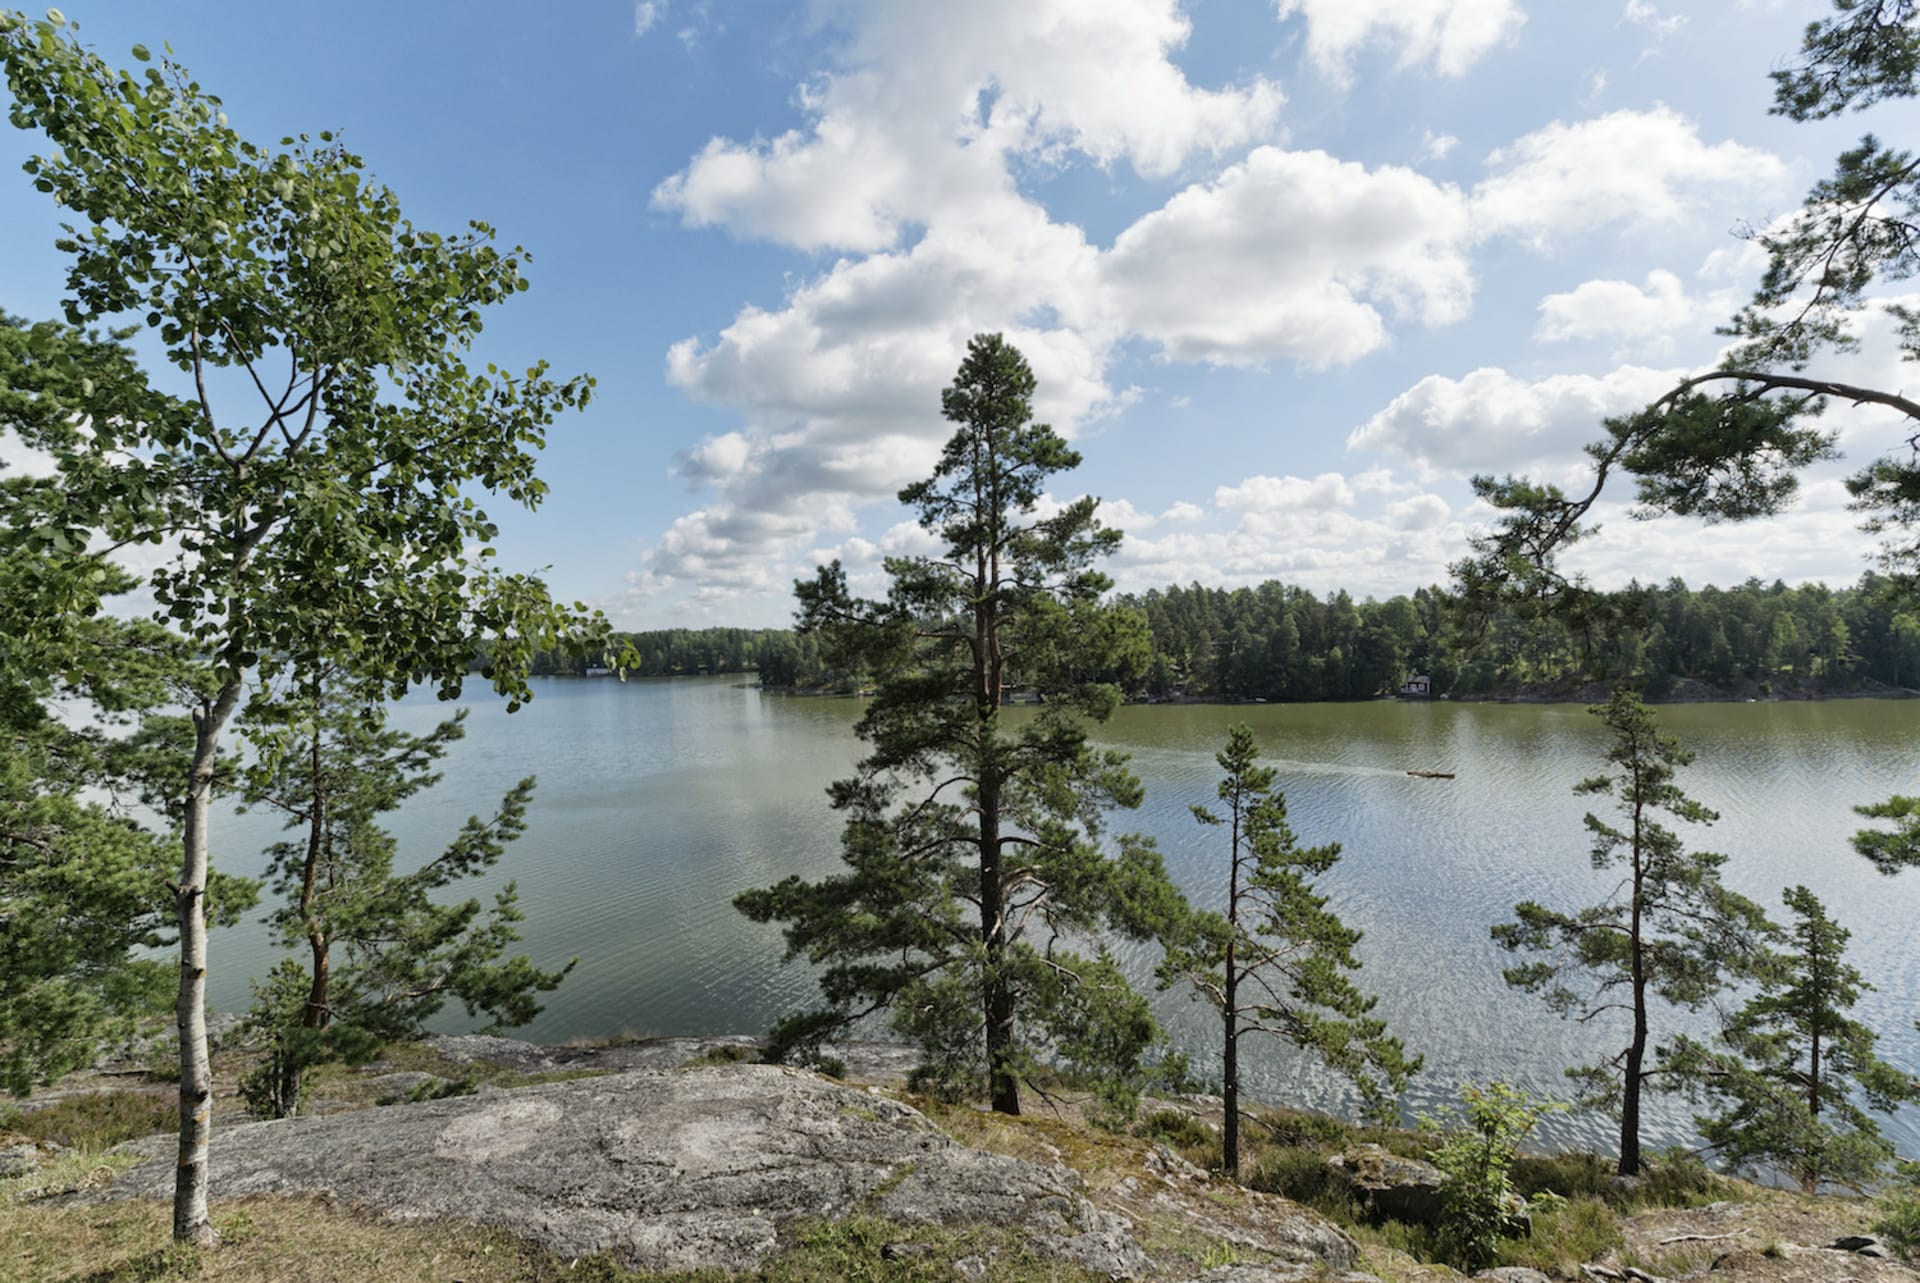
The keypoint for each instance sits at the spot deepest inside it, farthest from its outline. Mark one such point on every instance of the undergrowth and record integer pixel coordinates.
(94, 1120)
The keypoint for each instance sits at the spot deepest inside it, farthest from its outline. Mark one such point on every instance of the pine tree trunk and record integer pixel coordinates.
(1630, 1087)
(1637, 1049)
(997, 994)
(190, 1220)
(1230, 1068)
(1230, 1094)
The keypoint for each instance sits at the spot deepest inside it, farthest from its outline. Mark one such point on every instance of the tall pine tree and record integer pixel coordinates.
(978, 877)
(1669, 930)
(1276, 961)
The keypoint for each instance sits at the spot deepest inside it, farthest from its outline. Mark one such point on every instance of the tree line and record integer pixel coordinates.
(1284, 643)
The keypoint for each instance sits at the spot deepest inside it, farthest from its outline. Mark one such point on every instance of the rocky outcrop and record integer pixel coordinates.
(864, 1061)
(666, 1170)
(1387, 1185)
(1297, 1273)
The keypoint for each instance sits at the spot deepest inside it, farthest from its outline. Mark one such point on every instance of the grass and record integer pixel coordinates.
(1673, 1180)
(725, 1054)
(1284, 1152)
(1176, 1130)
(269, 1240)
(67, 1174)
(306, 1240)
(96, 1120)
(1564, 1239)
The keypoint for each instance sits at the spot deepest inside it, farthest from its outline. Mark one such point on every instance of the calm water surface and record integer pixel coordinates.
(658, 801)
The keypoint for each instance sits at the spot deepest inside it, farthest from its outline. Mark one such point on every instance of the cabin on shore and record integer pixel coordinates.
(1416, 686)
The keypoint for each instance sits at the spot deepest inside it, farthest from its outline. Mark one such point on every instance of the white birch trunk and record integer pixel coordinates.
(191, 1223)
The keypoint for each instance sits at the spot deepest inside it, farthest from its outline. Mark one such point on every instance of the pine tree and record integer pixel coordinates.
(383, 956)
(1670, 929)
(1275, 961)
(978, 879)
(1796, 1066)
(83, 877)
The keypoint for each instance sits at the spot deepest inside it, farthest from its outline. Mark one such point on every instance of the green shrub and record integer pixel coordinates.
(1574, 1175)
(1180, 1131)
(1678, 1178)
(97, 1120)
(1475, 1155)
(1899, 1223)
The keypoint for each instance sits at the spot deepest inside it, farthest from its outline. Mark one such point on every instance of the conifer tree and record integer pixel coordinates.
(1796, 1066)
(1276, 961)
(83, 877)
(1669, 930)
(383, 955)
(978, 878)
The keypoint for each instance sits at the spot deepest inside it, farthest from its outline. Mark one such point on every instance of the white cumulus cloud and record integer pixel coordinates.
(933, 99)
(1494, 421)
(1617, 310)
(1637, 168)
(1449, 35)
(1293, 254)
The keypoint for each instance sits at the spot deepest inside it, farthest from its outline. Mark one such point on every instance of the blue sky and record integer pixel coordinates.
(1288, 270)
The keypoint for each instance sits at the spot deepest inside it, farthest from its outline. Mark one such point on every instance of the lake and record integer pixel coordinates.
(659, 800)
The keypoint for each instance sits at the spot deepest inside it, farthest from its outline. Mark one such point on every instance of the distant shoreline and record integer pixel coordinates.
(1686, 690)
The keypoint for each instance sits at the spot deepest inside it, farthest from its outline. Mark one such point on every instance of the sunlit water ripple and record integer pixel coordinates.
(659, 801)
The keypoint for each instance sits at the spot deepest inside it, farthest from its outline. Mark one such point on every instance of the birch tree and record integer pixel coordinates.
(315, 487)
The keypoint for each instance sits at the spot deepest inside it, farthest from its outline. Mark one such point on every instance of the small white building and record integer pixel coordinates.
(1417, 684)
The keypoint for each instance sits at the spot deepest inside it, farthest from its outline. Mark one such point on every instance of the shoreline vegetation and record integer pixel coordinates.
(1688, 692)
(1677, 1220)
(1282, 644)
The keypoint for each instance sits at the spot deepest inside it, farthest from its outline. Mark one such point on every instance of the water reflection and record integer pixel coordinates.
(659, 801)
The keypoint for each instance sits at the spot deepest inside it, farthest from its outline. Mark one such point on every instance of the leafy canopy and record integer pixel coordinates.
(315, 483)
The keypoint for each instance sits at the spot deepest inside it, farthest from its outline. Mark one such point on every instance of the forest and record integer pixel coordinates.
(1286, 644)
